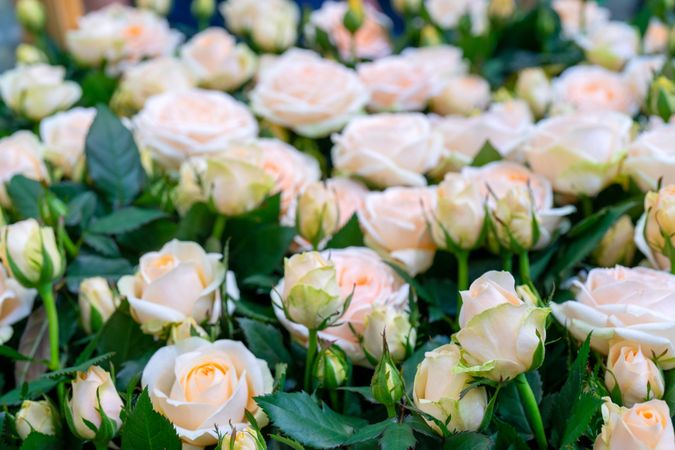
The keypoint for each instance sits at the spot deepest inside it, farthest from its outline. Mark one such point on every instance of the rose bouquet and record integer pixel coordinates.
(327, 228)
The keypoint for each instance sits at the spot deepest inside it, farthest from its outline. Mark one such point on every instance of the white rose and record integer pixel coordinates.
(651, 157)
(93, 393)
(579, 16)
(16, 303)
(610, 44)
(20, 154)
(204, 388)
(272, 24)
(655, 231)
(39, 416)
(639, 74)
(97, 303)
(534, 87)
(448, 13)
(38, 90)
(176, 125)
(644, 426)
(64, 135)
(388, 149)
(310, 95)
(637, 377)
(441, 63)
(463, 94)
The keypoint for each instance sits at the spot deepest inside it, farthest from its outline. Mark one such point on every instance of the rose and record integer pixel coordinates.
(97, 303)
(179, 281)
(388, 149)
(394, 223)
(534, 87)
(246, 439)
(617, 245)
(217, 61)
(360, 272)
(272, 25)
(440, 392)
(38, 90)
(610, 44)
(176, 125)
(94, 394)
(459, 215)
(349, 195)
(16, 303)
(580, 153)
(148, 78)
(396, 83)
(27, 54)
(639, 74)
(651, 157)
(502, 336)
(447, 14)
(331, 367)
(31, 15)
(30, 253)
(184, 330)
(370, 41)
(655, 231)
(655, 39)
(310, 95)
(593, 88)
(63, 135)
(495, 180)
(645, 426)
(119, 36)
(36, 416)
(395, 326)
(633, 373)
(578, 16)
(440, 62)
(634, 304)
(462, 95)
(318, 213)
(20, 154)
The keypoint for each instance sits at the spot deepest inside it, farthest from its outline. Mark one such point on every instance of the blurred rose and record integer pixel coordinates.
(395, 326)
(634, 304)
(464, 95)
(447, 14)
(310, 95)
(655, 231)
(534, 87)
(20, 154)
(97, 303)
(388, 149)
(645, 426)
(373, 283)
(639, 74)
(593, 88)
(440, 391)
(204, 388)
(246, 439)
(394, 222)
(440, 62)
(271, 24)
(63, 135)
(579, 153)
(617, 245)
(579, 16)
(161, 7)
(350, 196)
(16, 303)
(217, 61)
(36, 416)
(637, 377)
(655, 39)
(317, 212)
(176, 125)
(38, 90)
(610, 44)
(185, 330)
(93, 393)
(651, 157)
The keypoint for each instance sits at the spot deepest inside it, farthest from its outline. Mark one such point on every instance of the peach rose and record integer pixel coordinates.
(448, 13)
(639, 74)
(655, 39)
(593, 88)
(645, 426)
(655, 230)
(20, 154)
(634, 373)
(441, 63)
(394, 222)
(576, 21)
(651, 157)
(94, 392)
(204, 388)
(217, 61)
(63, 135)
(370, 41)
(388, 149)
(634, 304)
(310, 95)
(464, 95)
(610, 44)
(579, 153)
(16, 303)
(176, 125)
(373, 283)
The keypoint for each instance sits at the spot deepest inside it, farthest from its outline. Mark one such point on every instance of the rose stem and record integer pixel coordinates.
(213, 243)
(47, 295)
(311, 351)
(531, 410)
(524, 266)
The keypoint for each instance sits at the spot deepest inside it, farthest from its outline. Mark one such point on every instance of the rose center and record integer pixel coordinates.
(208, 382)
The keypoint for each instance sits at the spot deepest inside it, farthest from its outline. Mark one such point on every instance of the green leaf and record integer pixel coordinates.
(85, 266)
(96, 361)
(150, 237)
(669, 395)
(486, 155)
(9, 352)
(81, 209)
(28, 391)
(196, 224)
(97, 87)
(25, 194)
(105, 245)
(124, 220)
(145, 428)
(350, 235)
(112, 158)
(508, 438)
(368, 433)
(265, 341)
(397, 436)
(260, 250)
(301, 418)
(39, 441)
(468, 441)
(585, 407)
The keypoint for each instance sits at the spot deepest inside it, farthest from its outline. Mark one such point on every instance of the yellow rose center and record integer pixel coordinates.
(207, 383)
(161, 265)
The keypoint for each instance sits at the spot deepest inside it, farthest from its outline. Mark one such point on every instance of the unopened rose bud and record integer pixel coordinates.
(184, 330)
(94, 394)
(502, 9)
(31, 15)
(246, 439)
(514, 220)
(318, 215)
(30, 54)
(39, 416)
(430, 36)
(161, 7)
(617, 245)
(203, 9)
(332, 367)
(661, 98)
(534, 87)
(354, 16)
(393, 324)
(387, 384)
(97, 303)
(637, 377)
(659, 227)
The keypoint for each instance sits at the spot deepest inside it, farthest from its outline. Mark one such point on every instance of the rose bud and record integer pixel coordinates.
(246, 439)
(463, 94)
(39, 416)
(661, 98)
(387, 384)
(659, 223)
(636, 376)
(31, 15)
(515, 221)
(534, 87)
(160, 7)
(332, 367)
(439, 392)
(395, 325)
(617, 245)
(186, 329)
(318, 213)
(94, 394)
(97, 303)
(30, 54)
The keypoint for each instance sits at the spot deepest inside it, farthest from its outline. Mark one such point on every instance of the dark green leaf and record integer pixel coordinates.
(265, 341)
(508, 438)
(105, 245)
(349, 235)
(25, 194)
(149, 237)
(468, 441)
(255, 311)
(397, 436)
(486, 155)
(196, 224)
(81, 209)
(368, 433)
(28, 391)
(145, 428)
(96, 361)
(261, 249)
(39, 441)
(85, 266)
(669, 395)
(125, 219)
(584, 408)
(9, 352)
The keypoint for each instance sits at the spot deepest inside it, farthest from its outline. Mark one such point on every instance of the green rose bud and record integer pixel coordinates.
(387, 383)
(31, 15)
(661, 98)
(332, 367)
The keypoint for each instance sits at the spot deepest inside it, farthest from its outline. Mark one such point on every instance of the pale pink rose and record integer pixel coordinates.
(20, 154)
(465, 94)
(311, 95)
(592, 88)
(396, 84)
(177, 125)
(370, 41)
(64, 135)
(571, 14)
(388, 149)
(639, 74)
(655, 39)
(645, 426)
(373, 283)
(610, 44)
(441, 63)
(394, 222)
(447, 13)
(651, 158)
(350, 196)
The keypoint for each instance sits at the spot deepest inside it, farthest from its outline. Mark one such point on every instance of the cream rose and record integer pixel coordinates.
(579, 153)
(204, 388)
(38, 90)
(440, 62)
(97, 303)
(396, 83)
(617, 245)
(491, 289)
(448, 13)
(610, 44)
(93, 393)
(310, 95)
(534, 87)
(580, 16)
(16, 303)
(179, 281)
(64, 135)
(651, 157)
(655, 39)
(176, 125)
(271, 24)
(388, 149)
(440, 391)
(463, 94)
(639, 74)
(36, 416)
(373, 283)
(20, 154)
(645, 426)
(394, 222)
(399, 332)
(350, 196)
(371, 40)
(593, 88)
(636, 376)
(654, 234)
(217, 61)
(633, 304)
(318, 213)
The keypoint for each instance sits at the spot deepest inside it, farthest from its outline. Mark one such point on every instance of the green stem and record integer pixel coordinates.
(47, 295)
(586, 205)
(334, 399)
(309, 364)
(391, 411)
(462, 276)
(507, 262)
(524, 266)
(531, 410)
(68, 244)
(213, 243)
